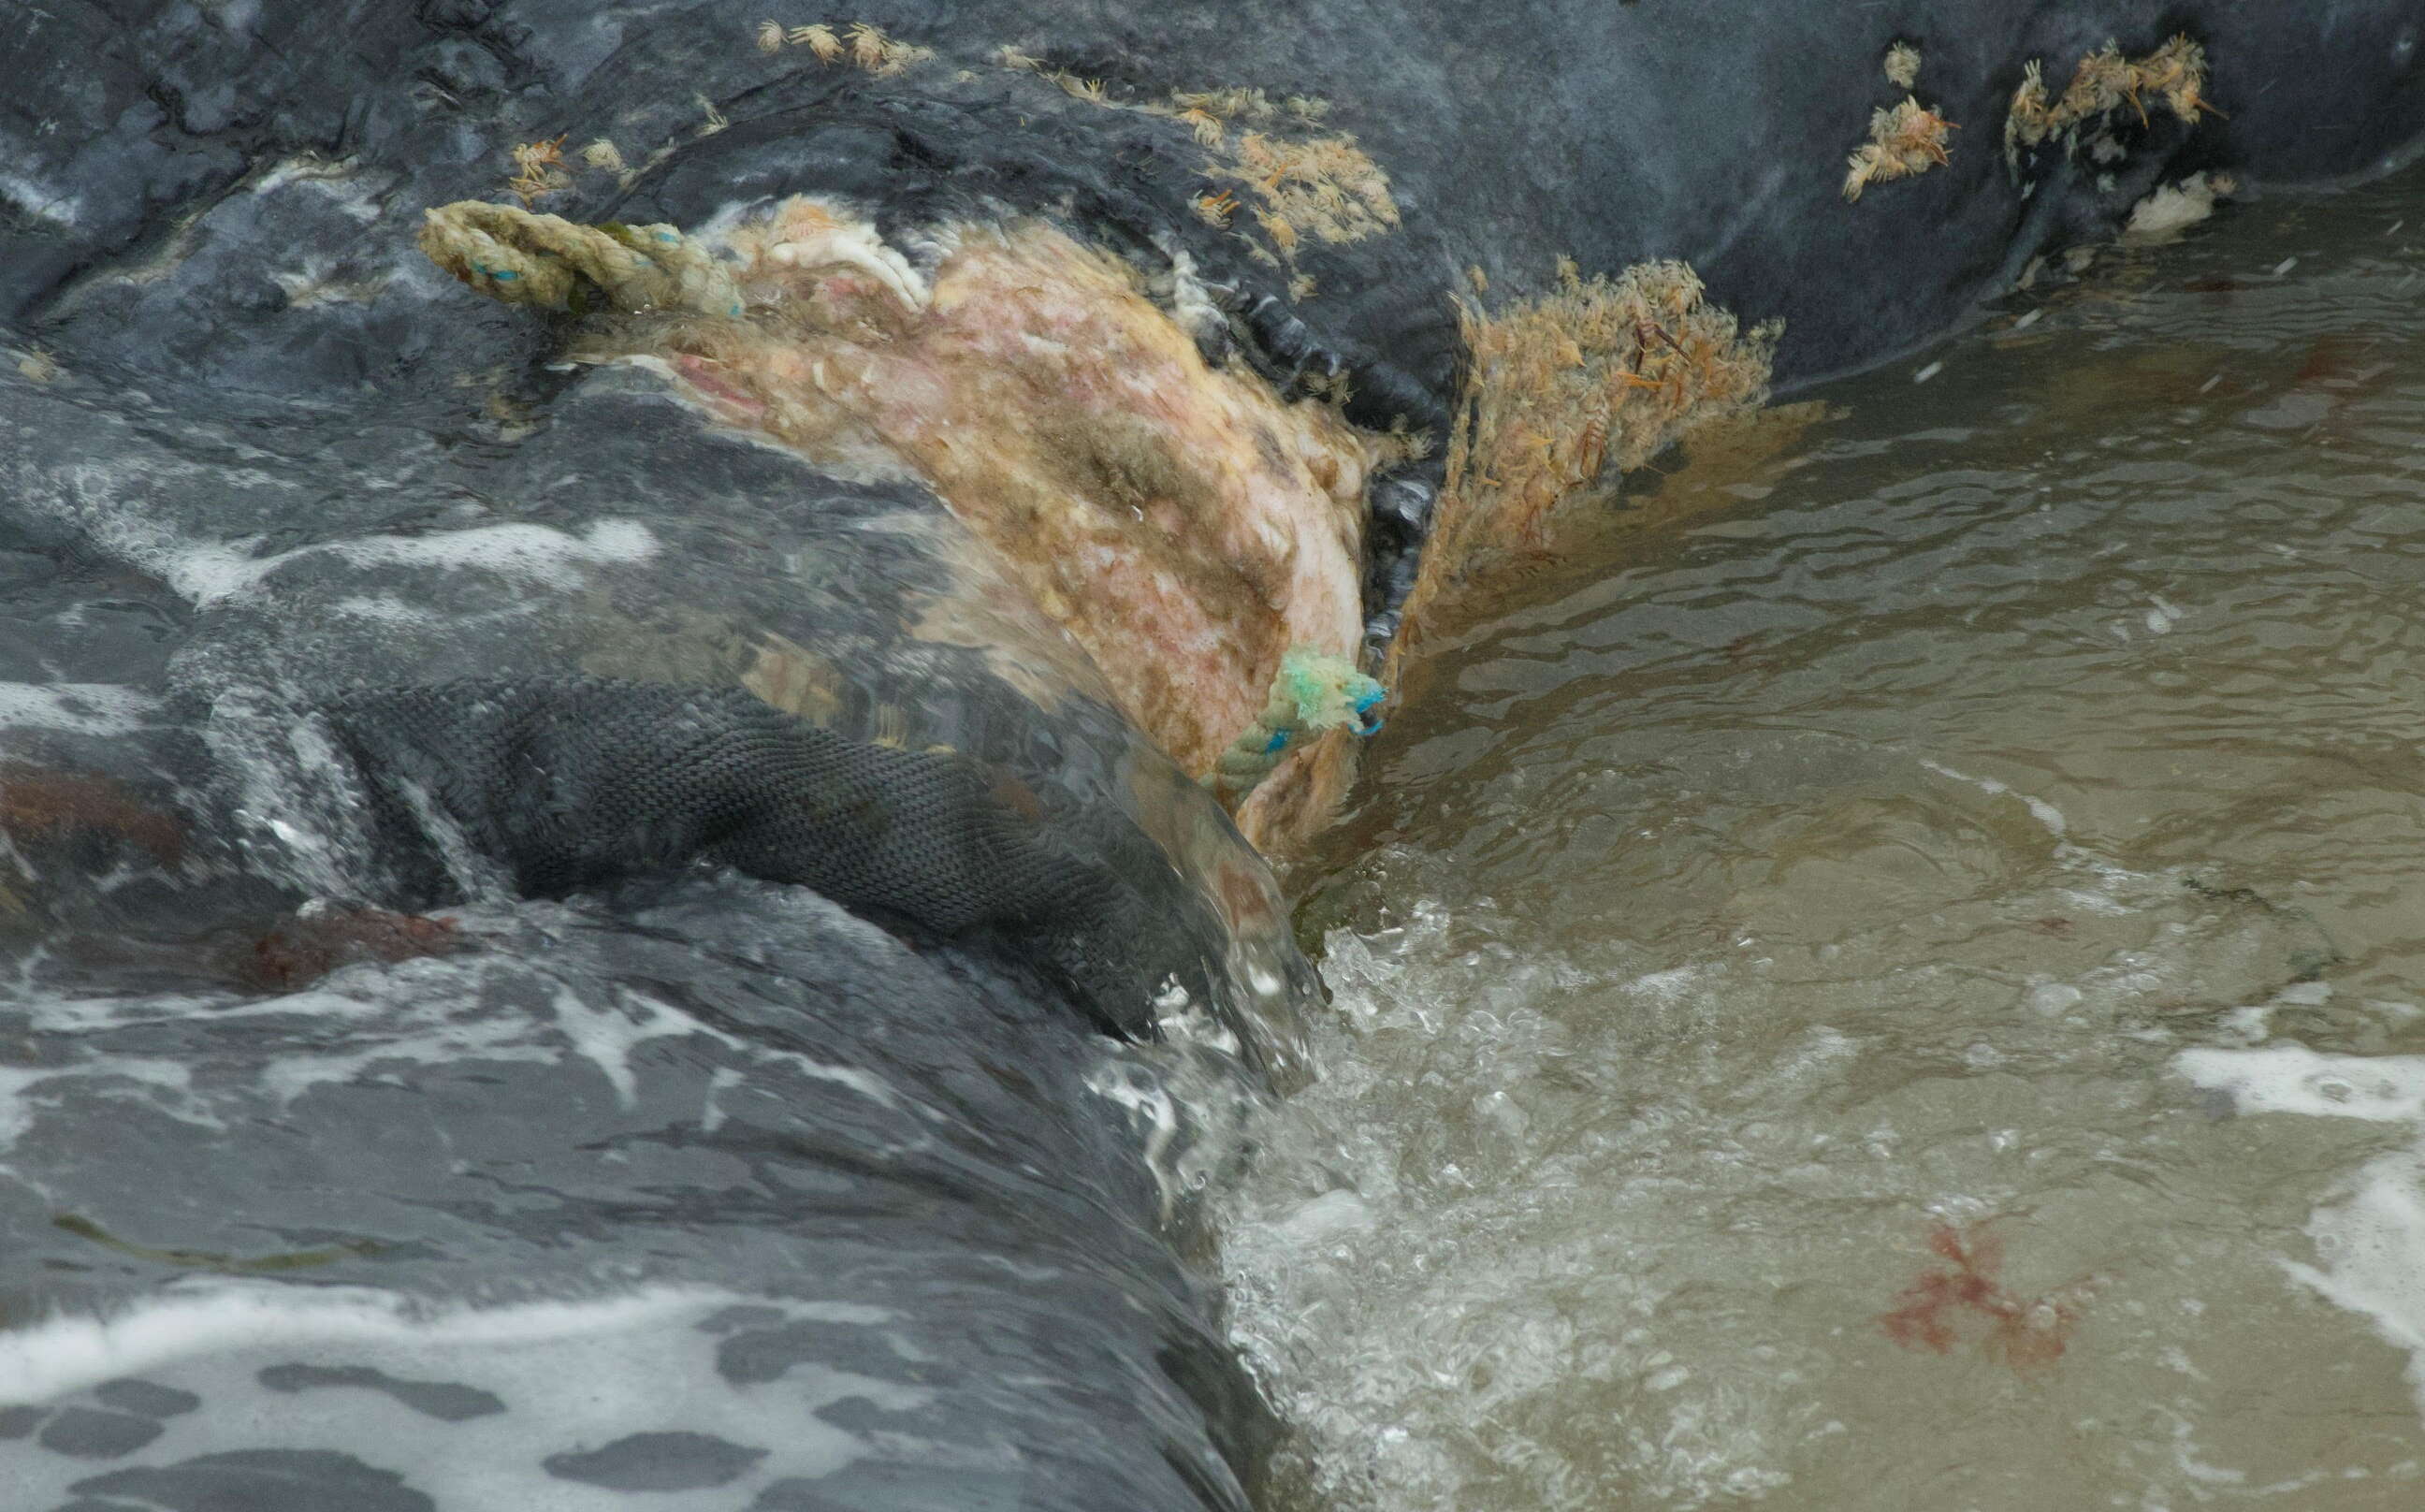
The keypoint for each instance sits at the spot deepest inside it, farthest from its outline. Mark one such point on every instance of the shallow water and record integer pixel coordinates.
(1892, 977)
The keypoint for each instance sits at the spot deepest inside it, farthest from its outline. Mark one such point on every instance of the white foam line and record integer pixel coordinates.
(455, 1042)
(208, 572)
(719, 1081)
(2294, 1079)
(430, 1027)
(2046, 814)
(85, 708)
(607, 1036)
(63, 1355)
(516, 550)
(2370, 1247)
(16, 1083)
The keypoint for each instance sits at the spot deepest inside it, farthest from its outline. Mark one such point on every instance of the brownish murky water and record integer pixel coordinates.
(1896, 983)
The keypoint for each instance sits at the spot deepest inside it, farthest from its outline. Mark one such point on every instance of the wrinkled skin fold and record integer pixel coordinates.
(592, 879)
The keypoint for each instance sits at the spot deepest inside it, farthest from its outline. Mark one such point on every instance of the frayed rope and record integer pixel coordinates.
(1312, 693)
(516, 257)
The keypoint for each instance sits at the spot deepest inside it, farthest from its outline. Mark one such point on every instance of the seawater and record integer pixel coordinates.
(1892, 976)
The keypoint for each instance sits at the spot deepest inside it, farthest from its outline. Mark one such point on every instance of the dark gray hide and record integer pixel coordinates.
(837, 1216)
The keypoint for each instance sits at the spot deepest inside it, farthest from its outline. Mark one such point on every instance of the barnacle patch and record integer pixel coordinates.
(539, 169)
(850, 44)
(1906, 141)
(1182, 523)
(1603, 371)
(1323, 185)
(2104, 83)
(1297, 180)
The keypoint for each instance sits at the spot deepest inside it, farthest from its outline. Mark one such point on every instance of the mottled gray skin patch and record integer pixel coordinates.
(89, 1433)
(265, 1480)
(145, 1398)
(18, 1421)
(657, 1462)
(442, 1400)
(762, 1354)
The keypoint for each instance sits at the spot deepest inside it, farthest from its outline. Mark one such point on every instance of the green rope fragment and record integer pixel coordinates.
(516, 257)
(1312, 693)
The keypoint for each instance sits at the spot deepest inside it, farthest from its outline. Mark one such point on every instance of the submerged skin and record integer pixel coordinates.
(1083, 500)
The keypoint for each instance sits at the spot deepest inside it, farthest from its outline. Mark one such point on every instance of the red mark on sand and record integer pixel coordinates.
(2027, 1333)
